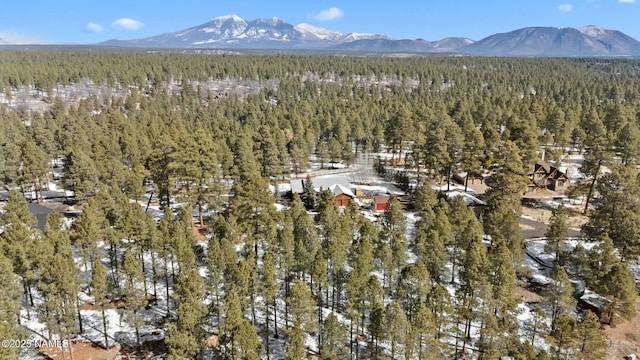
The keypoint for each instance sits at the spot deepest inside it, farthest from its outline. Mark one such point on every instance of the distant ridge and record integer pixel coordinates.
(231, 31)
(550, 41)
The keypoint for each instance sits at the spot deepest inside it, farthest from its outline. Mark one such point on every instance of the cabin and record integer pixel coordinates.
(342, 195)
(338, 185)
(471, 201)
(597, 304)
(547, 176)
(319, 183)
(381, 202)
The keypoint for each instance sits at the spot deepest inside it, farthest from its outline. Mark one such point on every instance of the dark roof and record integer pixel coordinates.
(544, 165)
(40, 212)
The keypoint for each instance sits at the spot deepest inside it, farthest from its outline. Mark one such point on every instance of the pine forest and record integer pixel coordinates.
(165, 205)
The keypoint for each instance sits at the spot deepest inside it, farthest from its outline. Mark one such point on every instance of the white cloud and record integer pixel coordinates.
(565, 8)
(627, 1)
(329, 14)
(93, 27)
(127, 24)
(12, 38)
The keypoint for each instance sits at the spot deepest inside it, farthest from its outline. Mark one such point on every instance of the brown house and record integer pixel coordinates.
(381, 202)
(597, 304)
(549, 177)
(342, 195)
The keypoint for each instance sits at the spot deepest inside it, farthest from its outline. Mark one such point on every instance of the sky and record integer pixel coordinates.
(93, 21)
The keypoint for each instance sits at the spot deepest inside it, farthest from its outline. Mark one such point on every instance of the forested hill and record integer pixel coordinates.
(201, 139)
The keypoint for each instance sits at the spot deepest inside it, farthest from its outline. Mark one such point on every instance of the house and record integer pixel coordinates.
(597, 304)
(381, 202)
(342, 195)
(319, 183)
(547, 176)
(338, 185)
(40, 213)
(471, 201)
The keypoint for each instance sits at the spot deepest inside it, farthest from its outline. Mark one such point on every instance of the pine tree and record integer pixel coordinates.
(59, 285)
(397, 328)
(617, 212)
(302, 306)
(377, 326)
(536, 325)
(269, 287)
(431, 244)
(619, 286)
(309, 196)
(34, 167)
(507, 184)
(392, 244)
(591, 343)
(423, 333)
(296, 349)
(87, 231)
(233, 316)
(413, 287)
(186, 335)
(557, 234)
(132, 292)
(442, 308)
(503, 279)
(100, 291)
(18, 242)
(562, 337)
(305, 238)
(247, 346)
(473, 290)
(560, 296)
(9, 303)
(334, 337)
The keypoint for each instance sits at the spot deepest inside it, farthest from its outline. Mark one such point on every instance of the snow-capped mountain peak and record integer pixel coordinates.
(360, 36)
(315, 32)
(232, 17)
(593, 31)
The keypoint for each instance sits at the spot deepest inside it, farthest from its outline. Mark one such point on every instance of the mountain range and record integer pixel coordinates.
(231, 31)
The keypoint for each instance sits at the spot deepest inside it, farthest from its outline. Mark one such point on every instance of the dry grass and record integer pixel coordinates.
(575, 221)
(84, 351)
(624, 339)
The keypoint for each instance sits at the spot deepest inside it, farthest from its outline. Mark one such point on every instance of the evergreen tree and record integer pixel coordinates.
(185, 336)
(247, 346)
(562, 337)
(393, 238)
(619, 286)
(423, 333)
(100, 292)
(302, 305)
(334, 337)
(507, 185)
(18, 242)
(269, 287)
(557, 234)
(397, 328)
(296, 349)
(9, 303)
(536, 325)
(132, 292)
(591, 343)
(59, 285)
(617, 211)
(309, 196)
(560, 295)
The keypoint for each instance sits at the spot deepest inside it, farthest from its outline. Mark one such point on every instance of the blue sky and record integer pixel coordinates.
(91, 21)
